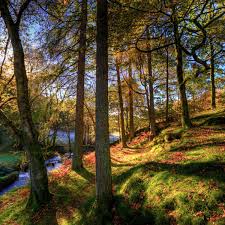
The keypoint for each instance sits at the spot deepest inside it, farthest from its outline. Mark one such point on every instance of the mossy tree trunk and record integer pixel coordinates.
(39, 194)
(79, 120)
(103, 161)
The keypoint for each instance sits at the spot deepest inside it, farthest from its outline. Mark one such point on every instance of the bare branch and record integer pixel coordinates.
(21, 11)
(4, 58)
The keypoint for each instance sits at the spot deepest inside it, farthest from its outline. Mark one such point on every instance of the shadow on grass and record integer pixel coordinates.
(121, 164)
(206, 170)
(208, 115)
(134, 148)
(87, 175)
(130, 208)
(44, 216)
(191, 147)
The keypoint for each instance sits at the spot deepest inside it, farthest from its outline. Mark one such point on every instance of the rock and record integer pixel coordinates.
(8, 179)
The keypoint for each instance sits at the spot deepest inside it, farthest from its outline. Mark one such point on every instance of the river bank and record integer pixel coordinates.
(18, 179)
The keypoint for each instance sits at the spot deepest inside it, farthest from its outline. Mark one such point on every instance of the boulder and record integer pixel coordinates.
(8, 179)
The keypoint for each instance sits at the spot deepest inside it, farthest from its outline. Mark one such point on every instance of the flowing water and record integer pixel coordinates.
(24, 177)
(51, 164)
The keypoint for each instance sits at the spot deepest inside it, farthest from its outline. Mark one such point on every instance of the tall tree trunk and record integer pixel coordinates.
(147, 99)
(39, 180)
(103, 161)
(148, 102)
(212, 75)
(167, 85)
(123, 134)
(186, 122)
(131, 102)
(79, 120)
(127, 119)
(151, 90)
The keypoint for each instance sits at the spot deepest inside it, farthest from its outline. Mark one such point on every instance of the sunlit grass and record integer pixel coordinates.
(181, 181)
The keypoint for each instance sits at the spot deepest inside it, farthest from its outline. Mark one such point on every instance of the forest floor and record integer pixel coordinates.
(179, 178)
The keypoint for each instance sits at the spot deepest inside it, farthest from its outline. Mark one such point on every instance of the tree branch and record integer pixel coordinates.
(21, 11)
(8, 124)
(4, 58)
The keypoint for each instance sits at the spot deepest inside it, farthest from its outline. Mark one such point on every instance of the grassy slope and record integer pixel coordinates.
(178, 182)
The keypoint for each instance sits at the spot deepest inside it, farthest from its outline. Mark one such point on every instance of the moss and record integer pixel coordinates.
(150, 186)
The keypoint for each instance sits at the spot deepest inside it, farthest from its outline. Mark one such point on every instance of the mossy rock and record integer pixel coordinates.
(8, 179)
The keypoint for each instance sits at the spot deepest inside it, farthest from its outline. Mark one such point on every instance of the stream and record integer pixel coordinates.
(24, 177)
(51, 164)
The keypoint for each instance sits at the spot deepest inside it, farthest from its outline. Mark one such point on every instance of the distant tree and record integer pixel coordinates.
(121, 107)
(131, 100)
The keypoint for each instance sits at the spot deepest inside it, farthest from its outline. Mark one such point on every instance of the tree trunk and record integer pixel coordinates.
(103, 161)
(212, 75)
(151, 91)
(123, 134)
(186, 122)
(38, 174)
(79, 120)
(167, 85)
(148, 101)
(131, 103)
(54, 136)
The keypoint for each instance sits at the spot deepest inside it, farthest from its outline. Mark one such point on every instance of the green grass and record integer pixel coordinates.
(177, 182)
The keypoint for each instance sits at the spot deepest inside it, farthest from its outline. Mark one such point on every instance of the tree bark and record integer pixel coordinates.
(212, 75)
(103, 161)
(79, 120)
(167, 85)
(123, 134)
(151, 91)
(145, 83)
(186, 122)
(131, 102)
(38, 174)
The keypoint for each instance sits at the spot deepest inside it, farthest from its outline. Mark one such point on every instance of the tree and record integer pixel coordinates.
(151, 90)
(79, 121)
(103, 161)
(29, 137)
(123, 134)
(167, 85)
(185, 119)
(131, 101)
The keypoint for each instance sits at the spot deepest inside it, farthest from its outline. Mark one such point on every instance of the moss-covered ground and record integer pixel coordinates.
(177, 180)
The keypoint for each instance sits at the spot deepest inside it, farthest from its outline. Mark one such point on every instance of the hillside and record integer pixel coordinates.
(178, 178)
